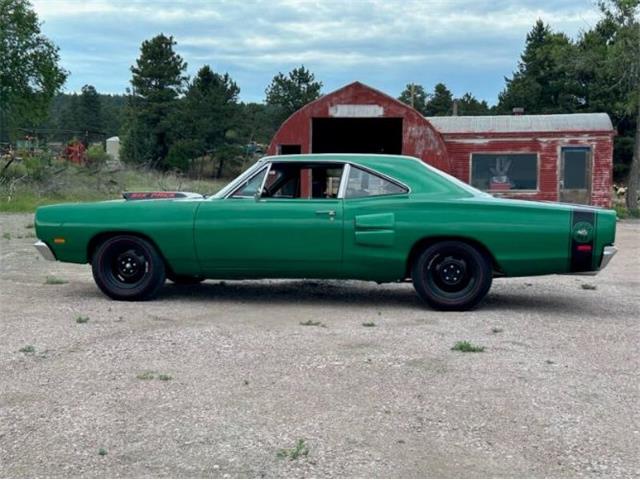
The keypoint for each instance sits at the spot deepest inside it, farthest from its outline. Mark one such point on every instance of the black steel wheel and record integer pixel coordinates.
(126, 267)
(452, 275)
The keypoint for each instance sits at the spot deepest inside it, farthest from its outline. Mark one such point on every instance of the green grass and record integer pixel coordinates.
(81, 319)
(148, 375)
(6, 236)
(623, 212)
(467, 347)
(52, 280)
(299, 450)
(368, 324)
(151, 375)
(102, 452)
(28, 349)
(65, 183)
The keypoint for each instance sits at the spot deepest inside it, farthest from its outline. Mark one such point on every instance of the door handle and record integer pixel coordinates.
(331, 213)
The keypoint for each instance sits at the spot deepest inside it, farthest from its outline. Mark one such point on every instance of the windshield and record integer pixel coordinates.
(236, 182)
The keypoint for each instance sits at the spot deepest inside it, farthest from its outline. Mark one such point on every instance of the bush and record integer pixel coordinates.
(96, 155)
(16, 170)
(181, 153)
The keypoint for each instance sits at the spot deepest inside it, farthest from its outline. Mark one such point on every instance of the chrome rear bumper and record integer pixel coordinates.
(45, 251)
(607, 255)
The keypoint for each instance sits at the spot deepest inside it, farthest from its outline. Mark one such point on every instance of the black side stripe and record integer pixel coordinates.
(582, 259)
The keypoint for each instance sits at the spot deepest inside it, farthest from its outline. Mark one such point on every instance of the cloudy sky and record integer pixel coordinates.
(468, 44)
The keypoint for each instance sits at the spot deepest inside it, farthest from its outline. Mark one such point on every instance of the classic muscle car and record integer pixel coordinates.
(371, 217)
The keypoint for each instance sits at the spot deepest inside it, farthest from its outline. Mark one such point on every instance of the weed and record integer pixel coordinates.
(28, 349)
(30, 235)
(151, 375)
(312, 323)
(246, 382)
(52, 280)
(102, 452)
(465, 346)
(300, 449)
(550, 362)
(29, 225)
(623, 212)
(497, 330)
(588, 286)
(368, 324)
(148, 375)
(81, 319)
(6, 236)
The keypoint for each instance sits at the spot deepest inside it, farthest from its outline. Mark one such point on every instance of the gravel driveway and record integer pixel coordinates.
(223, 380)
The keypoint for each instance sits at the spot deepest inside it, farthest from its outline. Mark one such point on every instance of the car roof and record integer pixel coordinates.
(410, 171)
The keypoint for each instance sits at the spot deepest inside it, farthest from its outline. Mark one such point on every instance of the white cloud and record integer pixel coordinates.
(470, 43)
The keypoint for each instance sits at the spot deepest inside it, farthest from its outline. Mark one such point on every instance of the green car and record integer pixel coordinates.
(382, 218)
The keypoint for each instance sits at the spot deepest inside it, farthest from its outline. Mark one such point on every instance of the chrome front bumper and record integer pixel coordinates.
(45, 251)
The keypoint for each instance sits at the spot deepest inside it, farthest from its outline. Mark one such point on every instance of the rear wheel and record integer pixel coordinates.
(126, 267)
(452, 275)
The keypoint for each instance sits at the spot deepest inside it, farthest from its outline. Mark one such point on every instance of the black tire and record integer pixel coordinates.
(126, 267)
(452, 275)
(184, 279)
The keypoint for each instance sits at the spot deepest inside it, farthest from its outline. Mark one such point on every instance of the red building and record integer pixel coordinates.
(539, 157)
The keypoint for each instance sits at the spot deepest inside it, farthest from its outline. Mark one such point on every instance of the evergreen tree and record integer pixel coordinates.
(544, 82)
(158, 79)
(470, 105)
(89, 114)
(441, 102)
(207, 114)
(415, 96)
(293, 91)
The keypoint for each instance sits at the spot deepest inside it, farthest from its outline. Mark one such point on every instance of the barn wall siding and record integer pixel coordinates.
(548, 147)
(451, 152)
(419, 138)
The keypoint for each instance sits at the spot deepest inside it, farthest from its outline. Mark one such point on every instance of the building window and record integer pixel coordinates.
(504, 171)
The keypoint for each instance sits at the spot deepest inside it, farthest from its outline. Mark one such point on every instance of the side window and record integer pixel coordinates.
(366, 184)
(249, 188)
(303, 181)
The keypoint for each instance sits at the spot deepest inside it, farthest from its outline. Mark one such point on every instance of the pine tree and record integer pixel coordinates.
(441, 102)
(158, 79)
(415, 96)
(293, 91)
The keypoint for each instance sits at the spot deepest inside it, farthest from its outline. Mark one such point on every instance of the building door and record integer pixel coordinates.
(357, 135)
(575, 175)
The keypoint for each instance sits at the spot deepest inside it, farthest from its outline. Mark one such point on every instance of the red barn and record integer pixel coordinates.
(539, 157)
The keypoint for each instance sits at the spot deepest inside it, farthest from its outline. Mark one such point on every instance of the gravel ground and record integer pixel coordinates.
(556, 393)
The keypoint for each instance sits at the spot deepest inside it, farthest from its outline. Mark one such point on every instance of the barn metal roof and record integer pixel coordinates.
(573, 122)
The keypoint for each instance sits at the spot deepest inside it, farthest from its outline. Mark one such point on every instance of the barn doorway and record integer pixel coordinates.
(357, 135)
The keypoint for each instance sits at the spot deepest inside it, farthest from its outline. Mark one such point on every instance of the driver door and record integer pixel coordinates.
(292, 229)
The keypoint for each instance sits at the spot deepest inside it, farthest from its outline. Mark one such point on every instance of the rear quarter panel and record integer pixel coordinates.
(525, 238)
(167, 223)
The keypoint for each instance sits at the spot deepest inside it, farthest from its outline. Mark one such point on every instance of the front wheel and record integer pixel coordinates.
(452, 275)
(126, 267)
